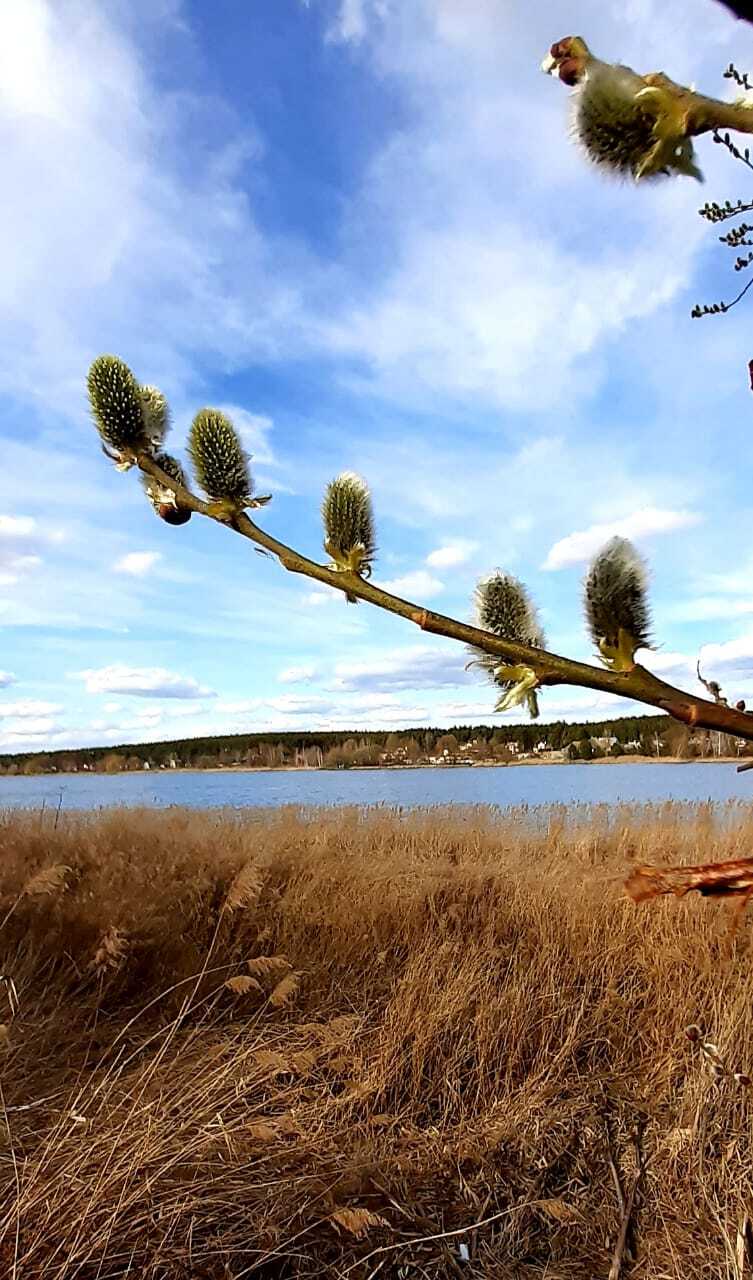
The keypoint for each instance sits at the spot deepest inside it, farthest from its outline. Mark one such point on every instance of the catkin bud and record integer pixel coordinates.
(349, 524)
(115, 398)
(155, 413)
(219, 459)
(616, 603)
(163, 499)
(504, 607)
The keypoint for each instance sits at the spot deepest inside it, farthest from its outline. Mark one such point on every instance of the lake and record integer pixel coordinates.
(404, 788)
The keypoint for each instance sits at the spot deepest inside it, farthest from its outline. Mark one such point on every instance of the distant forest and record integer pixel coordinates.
(469, 744)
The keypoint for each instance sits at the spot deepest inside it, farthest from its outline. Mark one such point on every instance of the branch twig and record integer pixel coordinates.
(638, 684)
(628, 1208)
(740, 8)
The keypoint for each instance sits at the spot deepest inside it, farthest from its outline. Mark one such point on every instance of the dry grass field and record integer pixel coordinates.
(360, 1044)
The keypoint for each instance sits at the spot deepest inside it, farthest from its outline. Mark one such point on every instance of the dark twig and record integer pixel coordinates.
(618, 1258)
(742, 9)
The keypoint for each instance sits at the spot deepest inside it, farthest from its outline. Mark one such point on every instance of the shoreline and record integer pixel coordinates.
(386, 768)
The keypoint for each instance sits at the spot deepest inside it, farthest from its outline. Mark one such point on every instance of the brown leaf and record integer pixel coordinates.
(284, 991)
(262, 1131)
(274, 1064)
(268, 966)
(242, 985)
(559, 1210)
(246, 888)
(357, 1222)
(383, 1120)
(47, 881)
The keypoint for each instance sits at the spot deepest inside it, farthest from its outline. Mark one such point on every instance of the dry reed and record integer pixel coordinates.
(391, 1044)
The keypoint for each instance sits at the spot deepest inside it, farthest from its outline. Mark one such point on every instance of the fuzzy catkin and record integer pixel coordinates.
(349, 520)
(615, 596)
(115, 399)
(219, 459)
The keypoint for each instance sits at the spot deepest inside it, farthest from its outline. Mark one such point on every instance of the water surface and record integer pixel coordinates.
(405, 788)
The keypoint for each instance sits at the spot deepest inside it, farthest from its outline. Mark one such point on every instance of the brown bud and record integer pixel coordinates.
(740, 706)
(173, 515)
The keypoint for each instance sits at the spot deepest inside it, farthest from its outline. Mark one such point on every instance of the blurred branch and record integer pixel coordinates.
(739, 8)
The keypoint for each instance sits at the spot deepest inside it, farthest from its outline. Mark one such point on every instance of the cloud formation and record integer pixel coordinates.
(413, 668)
(451, 554)
(143, 682)
(298, 675)
(419, 585)
(137, 564)
(579, 547)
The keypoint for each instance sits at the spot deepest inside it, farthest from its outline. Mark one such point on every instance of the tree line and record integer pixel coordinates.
(655, 736)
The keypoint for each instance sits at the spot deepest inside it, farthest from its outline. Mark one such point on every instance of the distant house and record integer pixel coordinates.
(605, 743)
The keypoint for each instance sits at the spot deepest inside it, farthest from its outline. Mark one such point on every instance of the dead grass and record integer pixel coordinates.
(290, 1045)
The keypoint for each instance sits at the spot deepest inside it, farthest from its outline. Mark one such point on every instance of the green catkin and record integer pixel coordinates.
(219, 459)
(504, 607)
(115, 399)
(347, 514)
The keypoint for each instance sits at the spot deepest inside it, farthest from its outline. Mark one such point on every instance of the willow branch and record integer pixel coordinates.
(694, 112)
(638, 684)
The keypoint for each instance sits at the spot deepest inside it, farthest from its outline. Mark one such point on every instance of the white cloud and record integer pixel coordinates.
(19, 731)
(451, 554)
(111, 225)
(349, 24)
(709, 608)
(21, 539)
(13, 528)
(137, 563)
(26, 708)
(478, 291)
(321, 596)
(579, 547)
(732, 656)
(417, 667)
(298, 675)
(142, 682)
(420, 584)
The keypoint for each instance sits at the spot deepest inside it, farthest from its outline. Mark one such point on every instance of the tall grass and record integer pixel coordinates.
(288, 1044)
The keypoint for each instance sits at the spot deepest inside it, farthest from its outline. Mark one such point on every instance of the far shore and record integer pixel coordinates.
(377, 768)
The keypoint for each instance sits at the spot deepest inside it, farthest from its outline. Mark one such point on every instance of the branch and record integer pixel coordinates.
(740, 8)
(551, 669)
(696, 113)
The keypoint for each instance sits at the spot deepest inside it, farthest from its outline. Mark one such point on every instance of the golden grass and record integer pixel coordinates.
(291, 1045)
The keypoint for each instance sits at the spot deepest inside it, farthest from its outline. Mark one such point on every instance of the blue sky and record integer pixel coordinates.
(359, 226)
